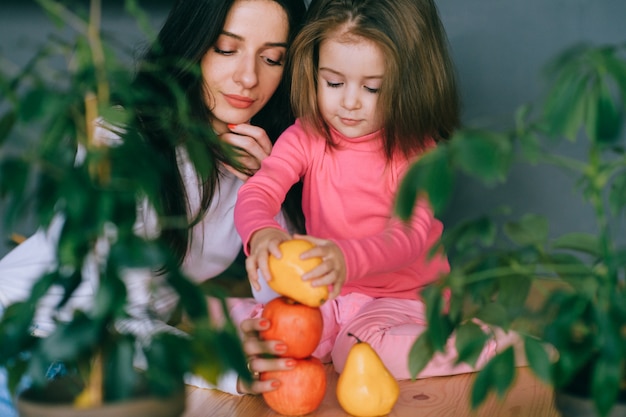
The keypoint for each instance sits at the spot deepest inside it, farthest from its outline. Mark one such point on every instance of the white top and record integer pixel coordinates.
(214, 246)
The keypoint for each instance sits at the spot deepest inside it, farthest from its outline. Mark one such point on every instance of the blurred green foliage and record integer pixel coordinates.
(497, 262)
(48, 107)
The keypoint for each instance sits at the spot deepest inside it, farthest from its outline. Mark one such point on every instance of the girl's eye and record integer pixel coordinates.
(371, 90)
(222, 52)
(333, 85)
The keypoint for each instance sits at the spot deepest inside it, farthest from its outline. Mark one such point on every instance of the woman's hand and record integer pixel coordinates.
(252, 146)
(332, 270)
(263, 243)
(253, 346)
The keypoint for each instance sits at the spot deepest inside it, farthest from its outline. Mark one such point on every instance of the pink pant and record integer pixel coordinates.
(389, 325)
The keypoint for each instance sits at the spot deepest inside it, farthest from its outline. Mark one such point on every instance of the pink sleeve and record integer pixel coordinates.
(260, 198)
(396, 247)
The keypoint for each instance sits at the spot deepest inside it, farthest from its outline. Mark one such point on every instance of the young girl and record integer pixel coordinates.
(374, 89)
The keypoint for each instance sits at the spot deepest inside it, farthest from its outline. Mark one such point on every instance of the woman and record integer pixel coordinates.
(240, 49)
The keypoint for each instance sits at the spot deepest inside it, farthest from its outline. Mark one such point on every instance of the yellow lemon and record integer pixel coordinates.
(286, 274)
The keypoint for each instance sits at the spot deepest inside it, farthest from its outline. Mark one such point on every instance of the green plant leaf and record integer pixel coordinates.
(581, 242)
(40, 103)
(617, 194)
(164, 374)
(14, 175)
(420, 354)
(513, 293)
(609, 118)
(470, 342)
(616, 69)
(467, 234)
(110, 297)
(120, 376)
(497, 375)
(195, 303)
(439, 325)
(70, 340)
(531, 229)
(494, 314)
(483, 154)
(15, 329)
(565, 107)
(432, 175)
(605, 382)
(231, 351)
(531, 146)
(538, 358)
(7, 121)
(198, 155)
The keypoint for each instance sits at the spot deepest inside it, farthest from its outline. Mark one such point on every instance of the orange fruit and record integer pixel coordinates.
(297, 325)
(301, 390)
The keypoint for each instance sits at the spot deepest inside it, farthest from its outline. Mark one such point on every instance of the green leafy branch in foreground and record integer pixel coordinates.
(89, 192)
(564, 296)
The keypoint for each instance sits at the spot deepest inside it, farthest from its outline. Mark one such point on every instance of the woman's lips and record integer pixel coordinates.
(238, 102)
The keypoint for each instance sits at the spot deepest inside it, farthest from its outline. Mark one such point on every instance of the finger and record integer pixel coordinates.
(254, 346)
(251, 268)
(246, 146)
(254, 325)
(242, 176)
(264, 267)
(320, 271)
(256, 133)
(308, 238)
(259, 387)
(335, 290)
(271, 364)
(319, 250)
(274, 248)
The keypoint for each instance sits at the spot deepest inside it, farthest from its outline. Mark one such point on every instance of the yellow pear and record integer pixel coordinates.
(365, 387)
(286, 274)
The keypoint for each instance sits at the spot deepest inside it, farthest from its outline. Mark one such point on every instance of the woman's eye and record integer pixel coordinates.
(371, 90)
(273, 62)
(222, 52)
(333, 85)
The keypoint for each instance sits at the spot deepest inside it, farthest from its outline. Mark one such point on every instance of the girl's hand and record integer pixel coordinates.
(252, 146)
(262, 243)
(332, 270)
(253, 346)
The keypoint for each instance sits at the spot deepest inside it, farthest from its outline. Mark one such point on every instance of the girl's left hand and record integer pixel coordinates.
(252, 145)
(332, 270)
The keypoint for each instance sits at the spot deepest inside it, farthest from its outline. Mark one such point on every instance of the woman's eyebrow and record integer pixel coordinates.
(241, 38)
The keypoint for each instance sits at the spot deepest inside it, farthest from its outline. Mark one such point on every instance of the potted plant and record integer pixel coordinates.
(574, 336)
(90, 191)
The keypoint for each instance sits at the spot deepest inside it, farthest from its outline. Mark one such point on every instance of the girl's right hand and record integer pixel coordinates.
(255, 347)
(263, 243)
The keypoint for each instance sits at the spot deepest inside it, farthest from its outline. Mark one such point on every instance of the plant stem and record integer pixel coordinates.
(93, 35)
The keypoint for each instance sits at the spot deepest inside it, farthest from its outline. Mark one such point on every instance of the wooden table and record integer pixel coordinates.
(433, 397)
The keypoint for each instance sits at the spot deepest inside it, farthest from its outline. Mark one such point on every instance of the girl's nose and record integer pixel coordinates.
(350, 99)
(246, 72)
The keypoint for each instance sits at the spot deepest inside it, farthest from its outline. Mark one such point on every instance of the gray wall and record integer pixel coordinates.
(499, 48)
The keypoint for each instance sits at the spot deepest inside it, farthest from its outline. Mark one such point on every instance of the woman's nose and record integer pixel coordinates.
(246, 72)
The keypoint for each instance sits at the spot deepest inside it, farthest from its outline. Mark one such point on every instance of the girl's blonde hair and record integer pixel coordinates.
(418, 97)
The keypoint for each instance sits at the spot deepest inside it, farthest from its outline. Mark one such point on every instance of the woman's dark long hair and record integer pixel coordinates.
(172, 110)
